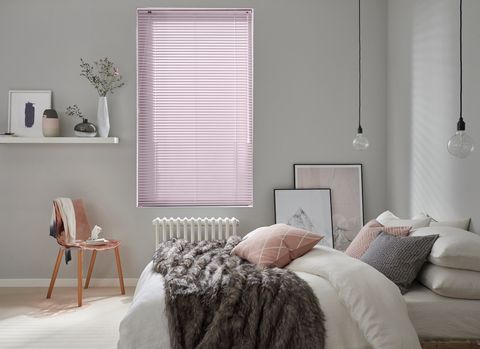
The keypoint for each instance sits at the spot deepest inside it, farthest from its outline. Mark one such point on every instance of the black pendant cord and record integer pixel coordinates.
(360, 130)
(461, 123)
(461, 59)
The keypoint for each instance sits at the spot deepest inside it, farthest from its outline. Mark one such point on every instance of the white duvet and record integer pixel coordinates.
(363, 309)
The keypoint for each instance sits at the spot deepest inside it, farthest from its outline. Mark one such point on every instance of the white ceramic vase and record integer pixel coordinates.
(103, 121)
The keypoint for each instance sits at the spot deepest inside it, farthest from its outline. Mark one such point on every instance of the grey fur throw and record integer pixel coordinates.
(218, 300)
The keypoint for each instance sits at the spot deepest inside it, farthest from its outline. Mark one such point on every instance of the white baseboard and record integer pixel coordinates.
(65, 282)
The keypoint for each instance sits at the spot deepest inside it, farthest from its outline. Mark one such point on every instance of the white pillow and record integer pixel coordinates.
(448, 282)
(460, 224)
(414, 223)
(421, 215)
(385, 217)
(388, 219)
(455, 248)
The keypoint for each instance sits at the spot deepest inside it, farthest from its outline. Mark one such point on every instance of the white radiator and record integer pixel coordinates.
(194, 229)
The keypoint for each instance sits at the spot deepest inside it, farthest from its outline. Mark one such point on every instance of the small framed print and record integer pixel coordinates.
(308, 209)
(25, 111)
(345, 181)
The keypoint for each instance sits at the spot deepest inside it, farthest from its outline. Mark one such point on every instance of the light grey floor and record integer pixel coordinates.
(29, 320)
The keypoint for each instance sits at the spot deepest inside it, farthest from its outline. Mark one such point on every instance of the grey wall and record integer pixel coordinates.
(423, 87)
(305, 111)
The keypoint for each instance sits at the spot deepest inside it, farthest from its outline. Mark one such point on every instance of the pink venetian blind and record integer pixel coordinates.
(194, 141)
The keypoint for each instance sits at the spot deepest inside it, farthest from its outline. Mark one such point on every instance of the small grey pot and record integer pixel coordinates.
(85, 129)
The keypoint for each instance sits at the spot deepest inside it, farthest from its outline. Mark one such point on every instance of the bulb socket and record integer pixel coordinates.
(360, 129)
(461, 124)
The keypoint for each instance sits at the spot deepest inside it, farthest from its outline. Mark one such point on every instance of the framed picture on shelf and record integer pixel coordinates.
(346, 184)
(309, 209)
(25, 111)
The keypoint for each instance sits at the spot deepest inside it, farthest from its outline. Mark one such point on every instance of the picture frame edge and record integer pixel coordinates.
(337, 164)
(298, 189)
(362, 189)
(11, 92)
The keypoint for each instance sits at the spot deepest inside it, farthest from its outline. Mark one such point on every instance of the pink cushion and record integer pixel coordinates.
(276, 245)
(368, 233)
(373, 224)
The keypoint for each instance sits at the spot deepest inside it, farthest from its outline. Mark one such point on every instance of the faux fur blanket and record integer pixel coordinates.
(218, 300)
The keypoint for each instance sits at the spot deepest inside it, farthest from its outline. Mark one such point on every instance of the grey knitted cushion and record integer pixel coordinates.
(399, 258)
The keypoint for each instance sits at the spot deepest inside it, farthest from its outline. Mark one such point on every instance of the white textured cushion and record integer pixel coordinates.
(448, 282)
(455, 248)
(414, 223)
(385, 217)
(389, 219)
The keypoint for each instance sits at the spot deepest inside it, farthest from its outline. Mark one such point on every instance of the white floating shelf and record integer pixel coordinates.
(63, 140)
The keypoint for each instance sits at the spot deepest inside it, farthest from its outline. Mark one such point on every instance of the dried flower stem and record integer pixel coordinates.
(74, 110)
(102, 75)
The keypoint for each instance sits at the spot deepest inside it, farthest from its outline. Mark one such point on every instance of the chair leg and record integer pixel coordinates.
(55, 272)
(119, 269)
(90, 268)
(79, 276)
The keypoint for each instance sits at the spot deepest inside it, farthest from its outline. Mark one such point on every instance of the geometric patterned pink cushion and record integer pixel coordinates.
(276, 245)
(373, 224)
(367, 234)
(354, 245)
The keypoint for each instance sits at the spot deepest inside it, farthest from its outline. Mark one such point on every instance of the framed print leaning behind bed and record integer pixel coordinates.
(346, 184)
(308, 209)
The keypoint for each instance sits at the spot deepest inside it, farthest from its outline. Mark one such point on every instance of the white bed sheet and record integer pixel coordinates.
(145, 326)
(436, 317)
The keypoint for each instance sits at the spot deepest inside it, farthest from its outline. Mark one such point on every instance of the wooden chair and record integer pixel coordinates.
(83, 233)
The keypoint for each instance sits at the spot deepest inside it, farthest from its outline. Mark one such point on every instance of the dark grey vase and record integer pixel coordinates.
(85, 129)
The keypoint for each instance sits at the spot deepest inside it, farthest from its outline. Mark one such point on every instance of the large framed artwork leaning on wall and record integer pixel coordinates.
(346, 184)
(25, 111)
(308, 209)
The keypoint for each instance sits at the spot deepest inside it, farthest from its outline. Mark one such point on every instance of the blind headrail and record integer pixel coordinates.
(189, 9)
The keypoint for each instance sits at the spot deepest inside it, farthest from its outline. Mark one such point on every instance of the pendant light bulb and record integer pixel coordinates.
(360, 142)
(461, 144)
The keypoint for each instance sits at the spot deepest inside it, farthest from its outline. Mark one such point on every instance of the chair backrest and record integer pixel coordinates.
(83, 228)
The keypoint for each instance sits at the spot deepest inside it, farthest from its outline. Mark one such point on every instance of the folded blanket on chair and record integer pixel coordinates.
(218, 300)
(69, 223)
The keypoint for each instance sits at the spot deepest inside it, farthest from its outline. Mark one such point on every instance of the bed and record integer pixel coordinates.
(357, 315)
(438, 317)
(433, 317)
(362, 308)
